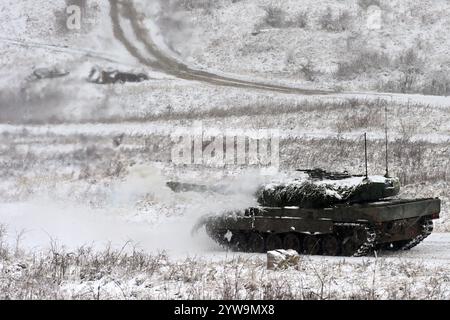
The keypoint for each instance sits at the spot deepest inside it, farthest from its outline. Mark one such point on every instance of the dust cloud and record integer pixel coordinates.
(43, 220)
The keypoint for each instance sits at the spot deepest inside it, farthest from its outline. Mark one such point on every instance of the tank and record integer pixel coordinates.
(328, 213)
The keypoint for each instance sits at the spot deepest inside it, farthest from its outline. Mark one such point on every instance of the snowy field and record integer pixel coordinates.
(84, 208)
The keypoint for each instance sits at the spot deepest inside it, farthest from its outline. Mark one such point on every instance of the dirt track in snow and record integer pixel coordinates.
(156, 59)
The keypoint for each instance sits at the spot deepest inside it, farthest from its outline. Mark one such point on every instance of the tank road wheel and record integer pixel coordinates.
(273, 242)
(256, 243)
(361, 235)
(311, 245)
(238, 241)
(292, 241)
(331, 246)
(349, 246)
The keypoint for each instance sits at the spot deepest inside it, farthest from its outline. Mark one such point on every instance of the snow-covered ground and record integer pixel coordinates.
(129, 273)
(84, 166)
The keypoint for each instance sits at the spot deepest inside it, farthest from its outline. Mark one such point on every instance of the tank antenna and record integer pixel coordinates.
(365, 154)
(386, 138)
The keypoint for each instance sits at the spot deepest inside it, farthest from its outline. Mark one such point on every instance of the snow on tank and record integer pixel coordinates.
(320, 189)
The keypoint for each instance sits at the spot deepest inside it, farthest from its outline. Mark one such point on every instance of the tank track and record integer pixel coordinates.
(427, 229)
(364, 249)
(368, 245)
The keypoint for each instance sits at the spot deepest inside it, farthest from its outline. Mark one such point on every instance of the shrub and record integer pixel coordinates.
(365, 4)
(365, 61)
(438, 84)
(308, 71)
(331, 23)
(189, 5)
(409, 61)
(300, 20)
(275, 17)
(410, 65)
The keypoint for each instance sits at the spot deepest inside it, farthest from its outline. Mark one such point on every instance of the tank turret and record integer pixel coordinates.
(323, 189)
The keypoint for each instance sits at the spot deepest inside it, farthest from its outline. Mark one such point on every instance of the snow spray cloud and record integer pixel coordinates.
(142, 180)
(165, 224)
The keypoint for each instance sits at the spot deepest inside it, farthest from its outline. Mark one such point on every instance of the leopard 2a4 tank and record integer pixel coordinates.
(330, 214)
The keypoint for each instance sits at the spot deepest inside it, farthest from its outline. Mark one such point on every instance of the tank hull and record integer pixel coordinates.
(384, 224)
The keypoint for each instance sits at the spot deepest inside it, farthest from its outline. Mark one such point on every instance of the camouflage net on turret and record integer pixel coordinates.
(312, 194)
(305, 194)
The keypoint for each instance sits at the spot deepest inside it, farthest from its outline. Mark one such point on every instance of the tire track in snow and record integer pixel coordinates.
(168, 65)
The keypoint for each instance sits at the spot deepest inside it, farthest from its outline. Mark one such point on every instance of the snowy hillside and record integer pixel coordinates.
(350, 45)
(84, 163)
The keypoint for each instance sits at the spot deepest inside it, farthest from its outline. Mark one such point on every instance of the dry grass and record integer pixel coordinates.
(130, 274)
(365, 4)
(412, 161)
(364, 62)
(276, 17)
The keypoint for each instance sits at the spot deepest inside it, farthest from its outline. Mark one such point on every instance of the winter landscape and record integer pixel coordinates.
(95, 96)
